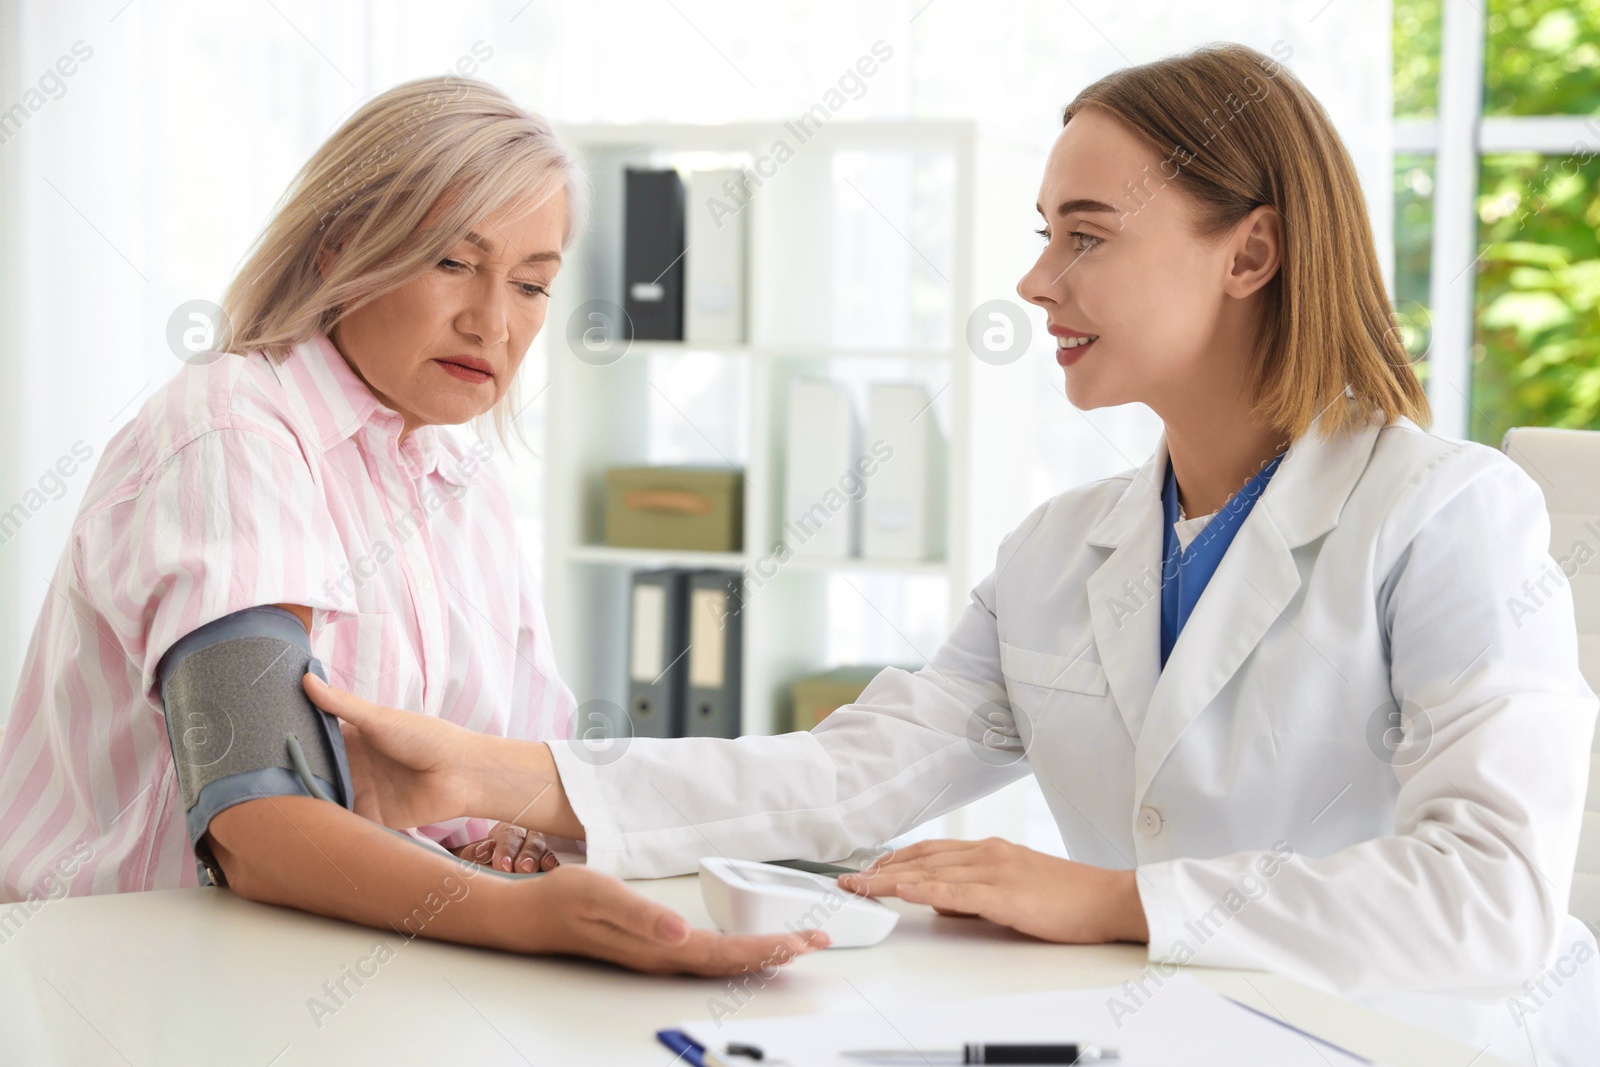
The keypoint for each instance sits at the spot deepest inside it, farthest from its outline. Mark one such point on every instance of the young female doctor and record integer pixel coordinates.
(1268, 681)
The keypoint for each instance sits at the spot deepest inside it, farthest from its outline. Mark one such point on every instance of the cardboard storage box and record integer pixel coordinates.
(697, 509)
(817, 696)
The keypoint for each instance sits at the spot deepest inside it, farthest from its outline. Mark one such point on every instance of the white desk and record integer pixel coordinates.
(200, 976)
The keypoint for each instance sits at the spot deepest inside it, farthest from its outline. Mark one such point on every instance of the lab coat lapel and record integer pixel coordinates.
(1256, 580)
(1252, 585)
(1125, 591)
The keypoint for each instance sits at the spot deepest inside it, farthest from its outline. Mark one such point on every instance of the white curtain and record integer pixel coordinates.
(138, 181)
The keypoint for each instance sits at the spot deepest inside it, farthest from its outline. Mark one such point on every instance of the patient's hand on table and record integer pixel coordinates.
(278, 850)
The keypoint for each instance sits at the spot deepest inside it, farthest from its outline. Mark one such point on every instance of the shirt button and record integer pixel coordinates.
(425, 580)
(1149, 821)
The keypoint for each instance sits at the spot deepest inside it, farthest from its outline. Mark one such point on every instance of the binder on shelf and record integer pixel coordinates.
(821, 486)
(652, 254)
(714, 295)
(656, 645)
(716, 646)
(903, 513)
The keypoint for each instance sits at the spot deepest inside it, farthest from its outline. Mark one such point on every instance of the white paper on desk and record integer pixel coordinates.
(1179, 1022)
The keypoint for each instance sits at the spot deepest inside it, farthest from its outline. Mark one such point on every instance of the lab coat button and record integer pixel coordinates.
(1149, 821)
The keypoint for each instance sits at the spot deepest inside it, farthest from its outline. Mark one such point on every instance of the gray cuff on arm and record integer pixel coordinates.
(240, 724)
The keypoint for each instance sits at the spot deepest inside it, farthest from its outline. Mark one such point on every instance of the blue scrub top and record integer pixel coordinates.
(1185, 572)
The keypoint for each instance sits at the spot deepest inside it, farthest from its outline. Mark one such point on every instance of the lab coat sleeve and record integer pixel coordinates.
(1471, 890)
(912, 748)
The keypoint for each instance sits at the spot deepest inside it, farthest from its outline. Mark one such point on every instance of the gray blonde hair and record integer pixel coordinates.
(458, 143)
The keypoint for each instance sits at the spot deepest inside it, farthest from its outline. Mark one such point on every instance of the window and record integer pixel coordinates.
(1497, 209)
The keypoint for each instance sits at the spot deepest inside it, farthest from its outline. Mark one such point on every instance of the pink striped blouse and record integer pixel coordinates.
(241, 483)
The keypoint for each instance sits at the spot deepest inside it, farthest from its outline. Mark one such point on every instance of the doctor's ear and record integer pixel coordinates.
(1254, 251)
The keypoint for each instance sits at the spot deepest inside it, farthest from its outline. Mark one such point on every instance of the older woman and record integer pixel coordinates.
(394, 293)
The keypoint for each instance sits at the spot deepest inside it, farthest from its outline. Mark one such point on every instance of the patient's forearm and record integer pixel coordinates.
(519, 783)
(318, 857)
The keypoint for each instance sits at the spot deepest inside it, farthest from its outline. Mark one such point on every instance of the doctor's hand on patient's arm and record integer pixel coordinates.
(411, 769)
(1041, 895)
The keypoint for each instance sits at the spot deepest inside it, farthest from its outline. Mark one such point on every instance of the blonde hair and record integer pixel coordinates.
(1236, 131)
(457, 143)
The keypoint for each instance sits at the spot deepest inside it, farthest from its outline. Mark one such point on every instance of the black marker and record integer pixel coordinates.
(981, 1053)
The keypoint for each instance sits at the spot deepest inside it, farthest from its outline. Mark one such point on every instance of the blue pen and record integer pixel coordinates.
(688, 1050)
(683, 1045)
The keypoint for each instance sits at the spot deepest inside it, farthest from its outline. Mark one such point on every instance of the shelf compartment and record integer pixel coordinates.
(666, 557)
(859, 563)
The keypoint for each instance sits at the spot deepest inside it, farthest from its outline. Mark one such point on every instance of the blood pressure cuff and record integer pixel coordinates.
(241, 725)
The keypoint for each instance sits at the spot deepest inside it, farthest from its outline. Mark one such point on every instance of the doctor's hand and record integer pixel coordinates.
(1044, 896)
(510, 848)
(411, 769)
(406, 767)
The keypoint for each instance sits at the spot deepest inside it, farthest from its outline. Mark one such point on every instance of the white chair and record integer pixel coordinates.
(1566, 464)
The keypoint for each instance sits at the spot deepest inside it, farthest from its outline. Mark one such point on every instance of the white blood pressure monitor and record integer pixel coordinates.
(744, 897)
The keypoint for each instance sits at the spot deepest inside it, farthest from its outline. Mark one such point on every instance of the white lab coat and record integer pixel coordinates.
(1249, 781)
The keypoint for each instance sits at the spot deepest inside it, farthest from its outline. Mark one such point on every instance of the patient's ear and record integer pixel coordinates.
(326, 258)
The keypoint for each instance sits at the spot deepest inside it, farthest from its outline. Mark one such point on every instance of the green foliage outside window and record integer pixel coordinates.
(1537, 283)
(1542, 57)
(1538, 294)
(1413, 241)
(1416, 58)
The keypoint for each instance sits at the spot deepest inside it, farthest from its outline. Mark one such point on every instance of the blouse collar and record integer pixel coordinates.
(347, 405)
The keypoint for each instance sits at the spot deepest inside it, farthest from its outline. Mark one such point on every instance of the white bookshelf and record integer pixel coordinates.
(804, 222)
